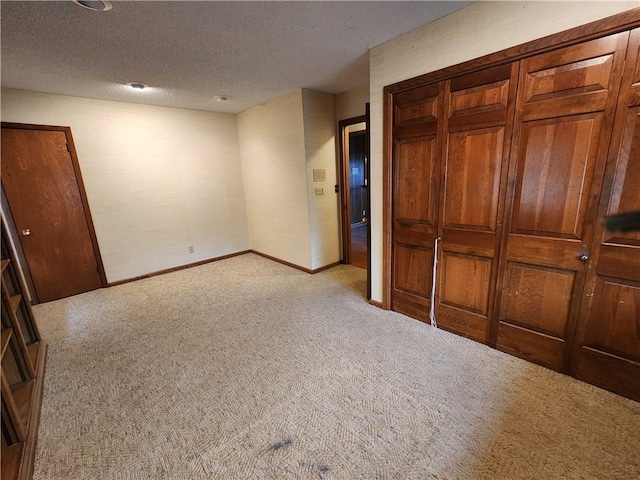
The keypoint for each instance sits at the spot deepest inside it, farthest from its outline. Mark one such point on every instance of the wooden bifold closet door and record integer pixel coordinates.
(607, 347)
(477, 136)
(565, 107)
(416, 146)
(512, 168)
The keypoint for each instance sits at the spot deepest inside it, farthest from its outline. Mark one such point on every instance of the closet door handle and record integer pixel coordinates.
(584, 257)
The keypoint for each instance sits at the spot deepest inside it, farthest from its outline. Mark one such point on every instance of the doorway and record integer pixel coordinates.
(46, 205)
(355, 195)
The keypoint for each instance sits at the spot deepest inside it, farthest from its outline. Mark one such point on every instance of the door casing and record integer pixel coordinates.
(345, 200)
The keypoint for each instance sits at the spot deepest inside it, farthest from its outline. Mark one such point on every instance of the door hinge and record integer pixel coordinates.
(68, 148)
(337, 188)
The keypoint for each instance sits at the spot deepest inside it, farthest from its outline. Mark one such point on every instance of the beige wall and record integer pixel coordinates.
(272, 150)
(479, 29)
(320, 151)
(351, 104)
(281, 142)
(158, 179)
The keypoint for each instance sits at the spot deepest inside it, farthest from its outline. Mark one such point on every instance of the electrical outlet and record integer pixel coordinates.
(191, 249)
(319, 191)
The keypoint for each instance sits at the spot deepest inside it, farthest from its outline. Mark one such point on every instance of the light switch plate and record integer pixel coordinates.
(319, 175)
(319, 191)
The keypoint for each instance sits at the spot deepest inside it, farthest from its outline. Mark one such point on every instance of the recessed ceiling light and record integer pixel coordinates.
(221, 98)
(137, 85)
(96, 6)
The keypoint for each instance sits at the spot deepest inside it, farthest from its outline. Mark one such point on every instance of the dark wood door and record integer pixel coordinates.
(478, 111)
(607, 347)
(566, 101)
(357, 178)
(359, 198)
(415, 193)
(41, 184)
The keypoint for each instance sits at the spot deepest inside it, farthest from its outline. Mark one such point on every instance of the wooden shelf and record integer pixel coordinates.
(14, 302)
(22, 378)
(22, 395)
(34, 351)
(11, 459)
(6, 336)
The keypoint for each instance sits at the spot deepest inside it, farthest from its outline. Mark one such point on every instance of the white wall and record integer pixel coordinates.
(272, 149)
(472, 32)
(320, 151)
(158, 179)
(281, 142)
(351, 103)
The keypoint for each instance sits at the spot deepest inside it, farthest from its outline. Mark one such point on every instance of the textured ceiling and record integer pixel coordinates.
(189, 52)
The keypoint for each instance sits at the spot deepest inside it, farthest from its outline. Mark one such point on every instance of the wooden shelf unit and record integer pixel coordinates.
(23, 362)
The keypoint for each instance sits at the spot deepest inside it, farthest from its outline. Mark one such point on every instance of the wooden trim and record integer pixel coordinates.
(29, 451)
(83, 197)
(297, 267)
(599, 28)
(85, 205)
(375, 303)
(505, 207)
(175, 269)
(326, 267)
(387, 194)
(367, 167)
(7, 397)
(345, 195)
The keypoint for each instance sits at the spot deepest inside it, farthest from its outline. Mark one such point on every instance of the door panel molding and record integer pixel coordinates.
(549, 149)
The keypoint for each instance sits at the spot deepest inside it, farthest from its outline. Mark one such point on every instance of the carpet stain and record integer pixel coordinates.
(280, 445)
(324, 469)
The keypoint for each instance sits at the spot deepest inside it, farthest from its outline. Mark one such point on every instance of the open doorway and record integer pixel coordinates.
(355, 195)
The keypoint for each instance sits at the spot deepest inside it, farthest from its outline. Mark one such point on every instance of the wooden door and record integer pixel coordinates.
(357, 186)
(479, 116)
(359, 198)
(607, 347)
(41, 182)
(566, 101)
(415, 190)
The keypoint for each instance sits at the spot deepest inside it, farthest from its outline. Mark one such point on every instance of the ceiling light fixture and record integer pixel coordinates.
(137, 85)
(221, 98)
(95, 6)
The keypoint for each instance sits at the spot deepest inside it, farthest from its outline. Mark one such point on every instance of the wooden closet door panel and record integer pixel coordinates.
(475, 155)
(607, 347)
(414, 199)
(473, 168)
(571, 80)
(555, 170)
(566, 103)
(411, 280)
(414, 180)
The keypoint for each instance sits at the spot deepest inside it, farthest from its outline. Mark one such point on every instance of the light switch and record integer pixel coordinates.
(319, 191)
(319, 175)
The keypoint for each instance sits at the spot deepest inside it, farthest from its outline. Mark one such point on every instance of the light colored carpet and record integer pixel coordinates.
(247, 369)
